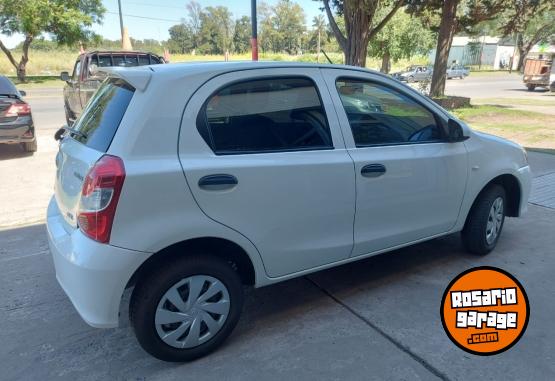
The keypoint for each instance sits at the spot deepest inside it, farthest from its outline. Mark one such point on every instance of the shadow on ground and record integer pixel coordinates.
(12, 151)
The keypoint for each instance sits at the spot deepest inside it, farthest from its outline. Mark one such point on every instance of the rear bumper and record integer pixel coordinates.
(525, 179)
(19, 131)
(93, 275)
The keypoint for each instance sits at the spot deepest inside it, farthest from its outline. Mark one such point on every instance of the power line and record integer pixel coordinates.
(144, 17)
(156, 5)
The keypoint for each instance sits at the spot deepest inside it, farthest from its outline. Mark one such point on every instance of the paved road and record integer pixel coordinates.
(375, 319)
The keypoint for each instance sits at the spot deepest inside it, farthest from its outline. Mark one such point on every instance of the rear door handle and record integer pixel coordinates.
(373, 170)
(217, 182)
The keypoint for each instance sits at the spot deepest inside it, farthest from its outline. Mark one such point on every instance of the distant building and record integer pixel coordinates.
(484, 51)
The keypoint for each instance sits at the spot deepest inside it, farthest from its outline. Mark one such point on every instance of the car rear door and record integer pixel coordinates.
(263, 154)
(409, 181)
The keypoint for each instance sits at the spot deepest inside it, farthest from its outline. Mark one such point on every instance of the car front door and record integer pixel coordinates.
(263, 154)
(409, 181)
(72, 89)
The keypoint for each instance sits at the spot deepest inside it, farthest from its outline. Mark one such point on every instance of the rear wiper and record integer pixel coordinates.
(60, 132)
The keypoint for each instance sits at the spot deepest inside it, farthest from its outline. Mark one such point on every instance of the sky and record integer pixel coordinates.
(154, 17)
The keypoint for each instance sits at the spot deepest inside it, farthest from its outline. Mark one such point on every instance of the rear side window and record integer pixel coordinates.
(102, 116)
(265, 115)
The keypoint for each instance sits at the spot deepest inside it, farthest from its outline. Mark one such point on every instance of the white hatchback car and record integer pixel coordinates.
(188, 181)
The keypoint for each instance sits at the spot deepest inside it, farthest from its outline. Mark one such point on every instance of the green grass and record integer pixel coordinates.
(530, 129)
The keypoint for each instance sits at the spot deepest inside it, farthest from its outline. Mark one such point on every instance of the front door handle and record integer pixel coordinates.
(373, 170)
(217, 182)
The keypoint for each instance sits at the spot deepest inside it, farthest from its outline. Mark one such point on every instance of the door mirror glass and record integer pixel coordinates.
(60, 133)
(64, 76)
(455, 132)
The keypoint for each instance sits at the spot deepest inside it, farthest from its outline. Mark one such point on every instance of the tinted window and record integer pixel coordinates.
(103, 60)
(379, 115)
(125, 61)
(102, 116)
(276, 114)
(7, 87)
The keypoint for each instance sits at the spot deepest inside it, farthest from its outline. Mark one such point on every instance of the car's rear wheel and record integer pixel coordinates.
(187, 308)
(485, 221)
(29, 146)
(531, 87)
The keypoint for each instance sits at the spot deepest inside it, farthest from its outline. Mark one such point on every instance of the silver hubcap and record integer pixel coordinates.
(495, 220)
(192, 311)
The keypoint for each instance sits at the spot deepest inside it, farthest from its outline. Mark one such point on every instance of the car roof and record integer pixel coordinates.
(7, 87)
(139, 76)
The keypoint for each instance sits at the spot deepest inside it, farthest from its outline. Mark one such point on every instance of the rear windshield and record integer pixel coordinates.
(7, 87)
(102, 116)
(125, 60)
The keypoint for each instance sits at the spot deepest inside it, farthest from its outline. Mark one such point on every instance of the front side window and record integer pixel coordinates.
(277, 114)
(379, 115)
(76, 70)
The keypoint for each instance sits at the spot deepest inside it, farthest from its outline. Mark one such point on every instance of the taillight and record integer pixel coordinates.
(99, 198)
(18, 109)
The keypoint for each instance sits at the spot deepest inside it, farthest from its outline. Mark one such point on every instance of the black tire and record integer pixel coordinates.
(29, 146)
(531, 87)
(151, 288)
(410, 79)
(474, 232)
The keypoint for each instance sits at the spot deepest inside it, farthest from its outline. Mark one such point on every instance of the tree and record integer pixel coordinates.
(242, 35)
(456, 16)
(66, 21)
(194, 11)
(216, 32)
(181, 38)
(403, 37)
(282, 26)
(361, 25)
(531, 21)
(319, 25)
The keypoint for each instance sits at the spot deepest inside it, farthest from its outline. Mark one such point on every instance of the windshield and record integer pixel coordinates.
(102, 115)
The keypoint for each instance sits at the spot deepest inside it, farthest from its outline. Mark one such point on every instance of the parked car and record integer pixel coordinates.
(414, 73)
(539, 73)
(16, 120)
(86, 76)
(457, 71)
(188, 181)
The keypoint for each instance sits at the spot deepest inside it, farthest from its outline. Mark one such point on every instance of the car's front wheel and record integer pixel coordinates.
(187, 308)
(485, 221)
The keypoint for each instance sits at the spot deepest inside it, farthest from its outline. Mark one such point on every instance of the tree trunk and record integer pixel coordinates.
(357, 25)
(447, 28)
(22, 66)
(386, 62)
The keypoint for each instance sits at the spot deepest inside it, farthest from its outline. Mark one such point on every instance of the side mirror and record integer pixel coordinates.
(455, 132)
(64, 76)
(23, 93)
(60, 133)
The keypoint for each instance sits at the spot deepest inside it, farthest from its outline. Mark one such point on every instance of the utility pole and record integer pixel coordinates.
(254, 35)
(120, 21)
